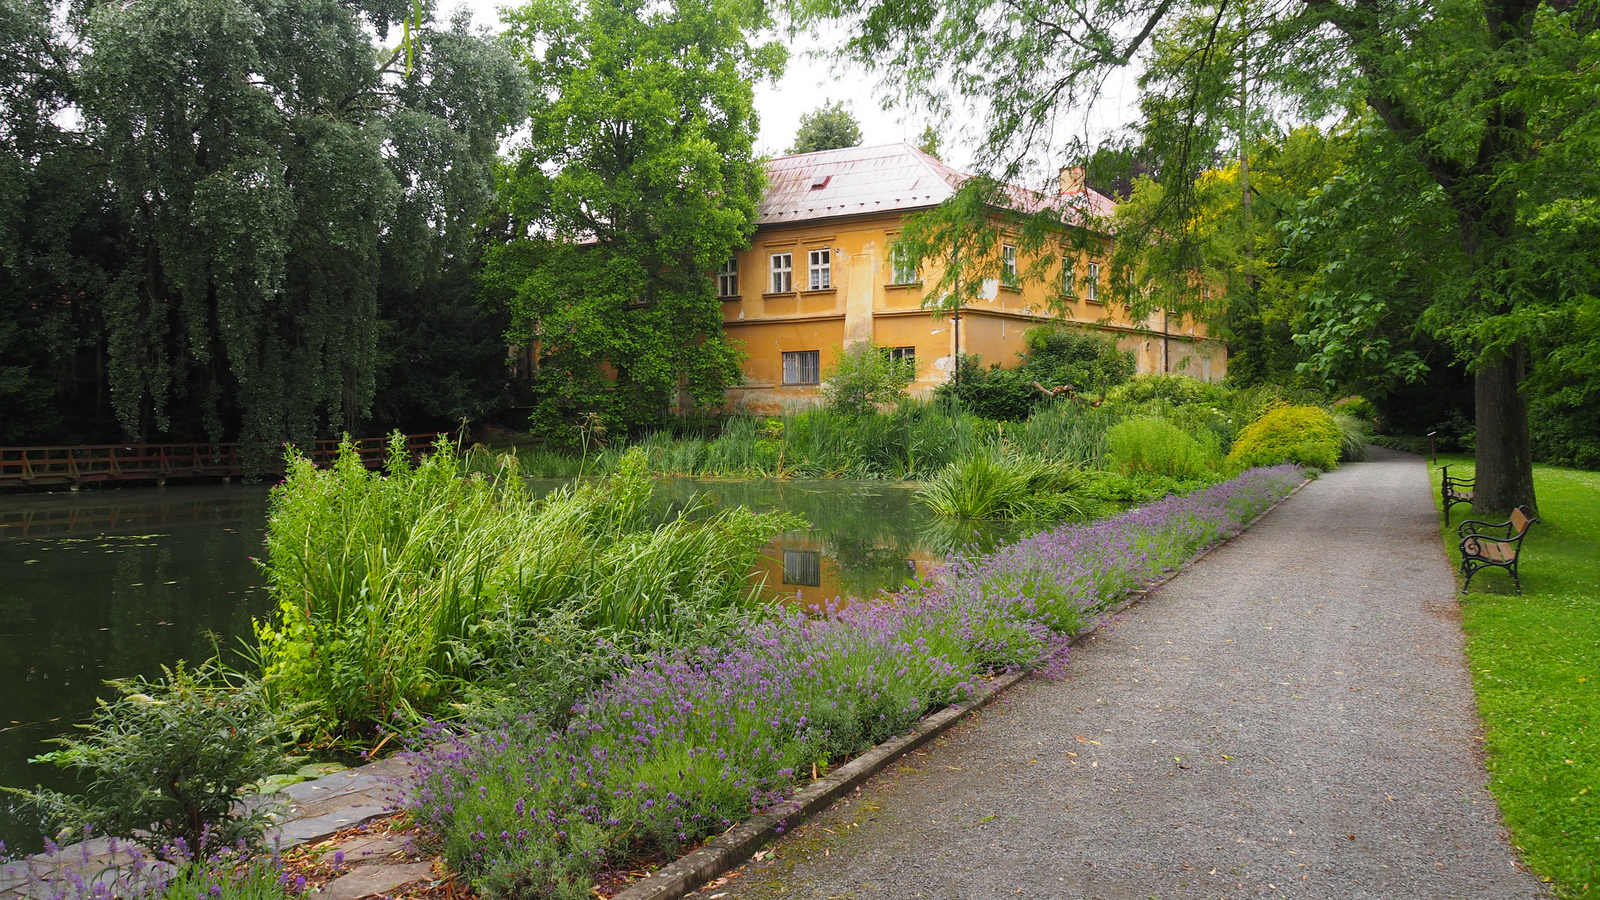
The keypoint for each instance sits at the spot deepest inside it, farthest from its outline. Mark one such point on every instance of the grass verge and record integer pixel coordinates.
(1535, 662)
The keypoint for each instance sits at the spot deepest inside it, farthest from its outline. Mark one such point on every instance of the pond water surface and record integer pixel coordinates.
(117, 583)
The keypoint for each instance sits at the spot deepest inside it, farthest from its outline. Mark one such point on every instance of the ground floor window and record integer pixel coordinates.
(803, 567)
(802, 367)
(905, 357)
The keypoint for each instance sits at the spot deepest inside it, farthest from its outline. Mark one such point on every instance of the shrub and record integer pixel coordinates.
(1004, 395)
(166, 761)
(862, 377)
(1176, 389)
(1304, 435)
(1158, 447)
(1091, 362)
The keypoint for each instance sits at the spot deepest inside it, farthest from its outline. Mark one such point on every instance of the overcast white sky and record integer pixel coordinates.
(809, 82)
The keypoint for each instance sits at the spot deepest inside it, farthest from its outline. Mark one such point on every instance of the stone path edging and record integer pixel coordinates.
(696, 869)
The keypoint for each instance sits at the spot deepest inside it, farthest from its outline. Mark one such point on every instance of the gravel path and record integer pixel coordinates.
(1292, 717)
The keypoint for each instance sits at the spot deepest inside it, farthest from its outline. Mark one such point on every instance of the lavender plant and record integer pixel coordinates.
(685, 743)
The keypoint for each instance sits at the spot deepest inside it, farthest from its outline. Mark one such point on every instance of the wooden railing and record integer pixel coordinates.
(158, 462)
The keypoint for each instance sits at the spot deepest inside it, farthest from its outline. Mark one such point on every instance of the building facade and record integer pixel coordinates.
(822, 274)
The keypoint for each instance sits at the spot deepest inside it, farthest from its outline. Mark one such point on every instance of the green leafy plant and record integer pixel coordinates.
(1298, 434)
(167, 760)
(862, 377)
(1158, 447)
(1059, 355)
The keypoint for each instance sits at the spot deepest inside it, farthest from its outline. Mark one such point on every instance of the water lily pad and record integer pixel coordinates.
(317, 770)
(275, 783)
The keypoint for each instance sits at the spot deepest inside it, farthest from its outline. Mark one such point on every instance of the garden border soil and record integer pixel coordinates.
(735, 846)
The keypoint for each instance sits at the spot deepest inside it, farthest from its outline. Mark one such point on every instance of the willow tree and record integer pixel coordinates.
(636, 181)
(264, 158)
(1484, 109)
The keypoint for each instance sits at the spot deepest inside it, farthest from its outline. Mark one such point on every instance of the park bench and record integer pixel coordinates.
(1485, 544)
(1453, 490)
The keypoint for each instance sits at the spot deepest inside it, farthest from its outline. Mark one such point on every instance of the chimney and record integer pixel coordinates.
(1072, 180)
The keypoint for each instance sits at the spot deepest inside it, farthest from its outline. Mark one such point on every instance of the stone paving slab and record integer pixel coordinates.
(306, 812)
(368, 880)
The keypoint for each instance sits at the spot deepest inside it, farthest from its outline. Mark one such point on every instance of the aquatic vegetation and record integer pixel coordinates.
(687, 742)
(392, 589)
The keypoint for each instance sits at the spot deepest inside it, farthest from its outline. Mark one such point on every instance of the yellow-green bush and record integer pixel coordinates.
(1297, 434)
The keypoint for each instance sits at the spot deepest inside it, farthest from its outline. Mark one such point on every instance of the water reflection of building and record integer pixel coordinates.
(808, 567)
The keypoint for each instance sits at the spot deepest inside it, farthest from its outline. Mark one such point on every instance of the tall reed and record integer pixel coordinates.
(385, 583)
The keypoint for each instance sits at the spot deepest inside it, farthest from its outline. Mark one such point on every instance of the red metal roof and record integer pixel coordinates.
(887, 178)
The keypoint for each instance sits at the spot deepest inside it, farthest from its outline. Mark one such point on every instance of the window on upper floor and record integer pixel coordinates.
(728, 278)
(1069, 278)
(1091, 288)
(802, 367)
(902, 267)
(1008, 266)
(782, 273)
(820, 267)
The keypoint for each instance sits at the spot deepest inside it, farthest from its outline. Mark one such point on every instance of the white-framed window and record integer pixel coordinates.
(1091, 289)
(902, 268)
(819, 265)
(782, 273)
(728, 278)
(1069, 278)
(1008, 266)
(902, 357)
(802, 367)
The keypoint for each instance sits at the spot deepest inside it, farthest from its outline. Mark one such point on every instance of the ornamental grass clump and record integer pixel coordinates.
(995, 484)
(685, 743)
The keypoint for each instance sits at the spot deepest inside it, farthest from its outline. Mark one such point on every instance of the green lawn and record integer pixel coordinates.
(1536, 666)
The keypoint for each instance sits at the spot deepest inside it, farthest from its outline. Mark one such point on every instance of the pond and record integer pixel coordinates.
(115, 583)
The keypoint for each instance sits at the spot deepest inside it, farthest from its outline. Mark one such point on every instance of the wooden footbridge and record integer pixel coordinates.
(42, 466)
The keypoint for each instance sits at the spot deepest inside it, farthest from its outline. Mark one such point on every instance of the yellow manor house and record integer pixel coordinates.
(820, 275)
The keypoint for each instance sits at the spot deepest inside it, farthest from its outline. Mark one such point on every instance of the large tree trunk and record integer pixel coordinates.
(1505, 457)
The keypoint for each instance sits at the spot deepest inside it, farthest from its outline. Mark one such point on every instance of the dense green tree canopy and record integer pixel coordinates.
(246, 180)
(1478, 126)
(636, 181)
(830, 126)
